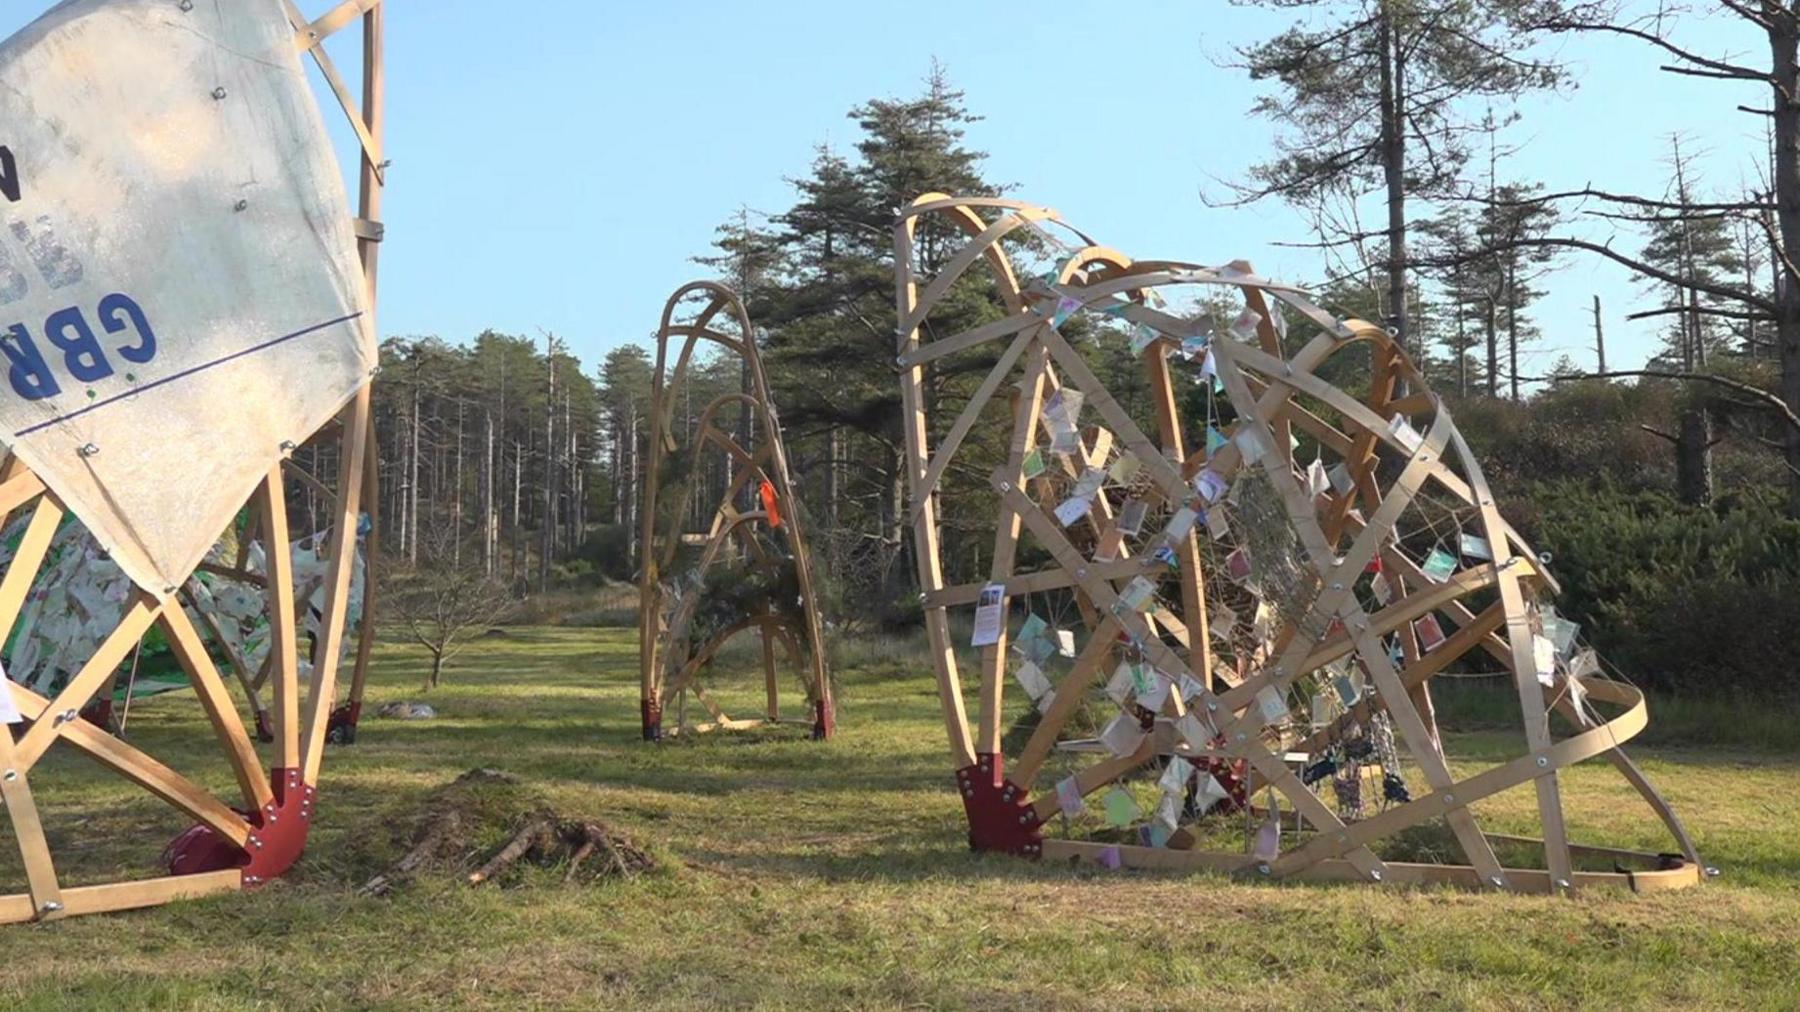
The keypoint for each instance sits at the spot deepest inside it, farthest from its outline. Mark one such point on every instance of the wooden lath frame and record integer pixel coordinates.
(225, 851)
(1339, 533)
(665, 677)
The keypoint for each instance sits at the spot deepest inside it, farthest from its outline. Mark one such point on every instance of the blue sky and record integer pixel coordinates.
(557, 162)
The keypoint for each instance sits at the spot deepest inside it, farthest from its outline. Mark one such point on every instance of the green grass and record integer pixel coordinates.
(833, 875)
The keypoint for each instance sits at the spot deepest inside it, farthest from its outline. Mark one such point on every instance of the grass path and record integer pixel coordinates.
(832, 875)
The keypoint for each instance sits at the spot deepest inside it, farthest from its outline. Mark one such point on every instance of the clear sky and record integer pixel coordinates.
(557, 162)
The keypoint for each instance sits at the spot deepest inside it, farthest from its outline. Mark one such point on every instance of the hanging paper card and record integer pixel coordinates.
(1065, 642)
(1065, 439)
(1383, 591)
(1251, 444)
(1175, 776)
(1125, 468)
(1341, 481)
(1321, 710)
(1120, 686)
(1031, 679)
(1088, 484)
(1543, 656)
(1211, 792)
(1578, 700)
(1139, 594)
(1407, 436)
(1221, 620)
(1214, 440)
(1195, 732)
(1317, 481)
(1071, 510)
(1209, 368)
(1561, 631)
(1157, 693)
(1271, 705)
(1165, 556)
(1244, 327)
(1346, 689)
(1585, 664)
(1034, 464)
(1210, 484)
(1121, 809)
(1216, 525)
(1430, 633)
(1031, 629)
(9, 707)
(1268, 839)
(1193, 346)
(1063, 407)
(1237, 565)
(1278, 320)
(1189, 686)
(1439, 565)
(1262, 624)
(180, 287)
(988, 613)
(1142, 337)
(1109, 858)
(1168, 816)
(1180, 524)
(1473, 546)
(1122, 735)
(1065, 307)
(1143, 679)
(1068, 797)
(1131, 518)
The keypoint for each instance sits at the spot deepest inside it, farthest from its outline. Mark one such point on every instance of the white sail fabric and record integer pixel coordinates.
(179, 288)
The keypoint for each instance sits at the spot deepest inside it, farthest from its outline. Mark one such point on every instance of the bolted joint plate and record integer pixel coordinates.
(277, 836)
(999, 817)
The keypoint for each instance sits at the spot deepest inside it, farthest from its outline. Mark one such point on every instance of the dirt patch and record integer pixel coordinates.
(488, 827)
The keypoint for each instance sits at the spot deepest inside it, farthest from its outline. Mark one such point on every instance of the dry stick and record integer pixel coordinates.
(532, 834)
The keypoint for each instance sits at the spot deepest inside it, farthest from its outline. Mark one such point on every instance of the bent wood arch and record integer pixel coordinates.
(1216, 703)
(668, 664)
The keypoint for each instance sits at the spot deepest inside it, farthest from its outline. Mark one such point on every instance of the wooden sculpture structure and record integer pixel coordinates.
(1222, 581)
(767, 539)
(267, 234)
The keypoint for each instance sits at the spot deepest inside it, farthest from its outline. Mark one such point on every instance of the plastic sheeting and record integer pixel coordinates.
(179, 289)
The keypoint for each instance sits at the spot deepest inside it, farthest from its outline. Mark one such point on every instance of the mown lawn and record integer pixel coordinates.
(833, 875)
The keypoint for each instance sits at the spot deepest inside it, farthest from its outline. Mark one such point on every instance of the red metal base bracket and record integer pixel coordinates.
(341, 728)
(652, 714)
(999, 817)
(277, 838)
(824, 721)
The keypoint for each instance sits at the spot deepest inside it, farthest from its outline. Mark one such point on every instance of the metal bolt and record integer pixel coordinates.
(1023, 819)
(11, 775)
(51, 906)
(1449, 799)
(1337, 586)
(69, 716)
(1543, 761)
(1376, 874)
(241, 205)
(1263, 869)
(88, 449)
(1212, 706)
(219, 93)
(1712, 872)
(1562, 883)
(1240, 736)
(1499, 883)
(1006, 486)
(186, 5)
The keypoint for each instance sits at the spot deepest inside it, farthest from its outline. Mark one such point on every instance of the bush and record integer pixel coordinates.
(1688, 601)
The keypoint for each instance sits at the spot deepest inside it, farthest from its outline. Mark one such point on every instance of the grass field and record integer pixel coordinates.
(833, 875)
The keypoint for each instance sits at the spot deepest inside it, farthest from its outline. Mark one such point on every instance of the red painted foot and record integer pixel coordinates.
(277, 837)
(999, 817)
(341, 728)
(824, 721)
(652, 714)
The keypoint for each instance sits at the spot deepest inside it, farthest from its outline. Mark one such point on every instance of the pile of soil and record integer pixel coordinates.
(486, 826)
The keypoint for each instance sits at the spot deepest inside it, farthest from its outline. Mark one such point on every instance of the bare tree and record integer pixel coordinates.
(442, 603)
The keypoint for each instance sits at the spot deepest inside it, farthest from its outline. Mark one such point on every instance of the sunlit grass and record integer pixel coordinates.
(826, 875)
